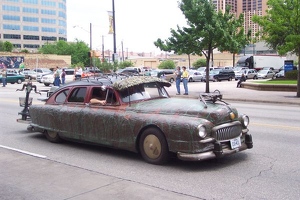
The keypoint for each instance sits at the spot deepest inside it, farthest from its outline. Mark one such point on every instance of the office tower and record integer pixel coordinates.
(248, 8)
(29, 24)
(221, 5)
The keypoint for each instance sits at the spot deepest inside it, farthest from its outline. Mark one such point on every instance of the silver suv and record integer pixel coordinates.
(249, 74)
(41, 72)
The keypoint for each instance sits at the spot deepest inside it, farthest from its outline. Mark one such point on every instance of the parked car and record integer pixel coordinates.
(249, 74)
(13, 78)
(202, 70)
(220, 74)
(139, 116)
(265, 74)
(29, 74)
(128, 72)
(237, 69)
(41, 72)
(280, 74)
(48, 79)
(167, 74)
(195, 75)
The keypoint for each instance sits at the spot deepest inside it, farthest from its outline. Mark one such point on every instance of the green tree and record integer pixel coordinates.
(6, 46)
(206, 31)
(199, 63)
(280, 28)
(167, 64)
(125, 64)
(78, 51)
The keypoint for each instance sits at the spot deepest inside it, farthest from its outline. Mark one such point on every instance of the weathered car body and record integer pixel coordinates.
(140, 116)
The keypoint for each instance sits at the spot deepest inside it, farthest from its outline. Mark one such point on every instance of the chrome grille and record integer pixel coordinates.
(227, 131)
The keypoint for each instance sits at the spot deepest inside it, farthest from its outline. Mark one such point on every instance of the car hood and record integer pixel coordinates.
(216, 113)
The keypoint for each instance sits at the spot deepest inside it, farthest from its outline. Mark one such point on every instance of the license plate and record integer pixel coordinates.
(235, 143)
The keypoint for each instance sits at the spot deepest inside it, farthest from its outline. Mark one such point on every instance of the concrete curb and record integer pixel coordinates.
(269, 87)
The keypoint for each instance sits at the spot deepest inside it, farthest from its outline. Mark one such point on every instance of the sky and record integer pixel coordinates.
(138, 23)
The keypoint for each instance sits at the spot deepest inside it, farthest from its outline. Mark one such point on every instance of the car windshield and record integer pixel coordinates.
(201, 69)
(263, 72)
(215, 71)
(143, 92)
(154, 73)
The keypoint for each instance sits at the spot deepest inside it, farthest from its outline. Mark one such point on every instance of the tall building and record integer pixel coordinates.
(221, 5)
(29, 24)
(248, 8)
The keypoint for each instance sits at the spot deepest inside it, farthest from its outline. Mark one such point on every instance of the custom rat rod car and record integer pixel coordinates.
(137, 114)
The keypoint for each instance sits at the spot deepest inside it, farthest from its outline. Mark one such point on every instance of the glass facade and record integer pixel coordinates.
(29, 24)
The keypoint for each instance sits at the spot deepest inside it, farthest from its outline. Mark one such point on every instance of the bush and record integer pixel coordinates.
(199, 63)
(292, 75)
(167, 64)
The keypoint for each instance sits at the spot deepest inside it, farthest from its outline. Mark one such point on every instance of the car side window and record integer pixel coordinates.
(61, 96)
(78, 95)
(111, 98)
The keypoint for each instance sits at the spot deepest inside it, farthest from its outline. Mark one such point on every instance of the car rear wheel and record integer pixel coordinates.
(153, 146)
(46, 84)
(171, 80)
(29, 78)
(52, 136)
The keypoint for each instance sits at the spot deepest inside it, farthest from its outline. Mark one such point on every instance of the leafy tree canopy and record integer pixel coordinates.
(280, 28)
(207, 30)
(199, 63)
(6, 46)
(167, 64)
(78, 51)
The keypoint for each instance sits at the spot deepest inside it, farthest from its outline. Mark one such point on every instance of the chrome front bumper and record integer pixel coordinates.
(217, 152)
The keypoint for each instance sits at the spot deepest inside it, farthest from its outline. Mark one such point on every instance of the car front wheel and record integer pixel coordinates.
(52, 136)
(153, 147)
(19, 81)
(46, 84)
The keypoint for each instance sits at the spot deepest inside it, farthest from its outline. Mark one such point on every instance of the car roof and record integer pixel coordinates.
(138, 80)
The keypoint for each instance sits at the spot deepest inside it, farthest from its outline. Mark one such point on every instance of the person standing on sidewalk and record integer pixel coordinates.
(63, 76)
(4, 76)
(178, 79)
(185, 79)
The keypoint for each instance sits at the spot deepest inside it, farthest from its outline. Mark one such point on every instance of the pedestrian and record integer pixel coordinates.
(185, 79)
(178, 80)
(242, 79)
(4, 75)
(78, 73)
(56, 76)
(63, 76)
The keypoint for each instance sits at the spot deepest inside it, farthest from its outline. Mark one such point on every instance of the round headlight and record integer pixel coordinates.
(246, 120)
(202, 131)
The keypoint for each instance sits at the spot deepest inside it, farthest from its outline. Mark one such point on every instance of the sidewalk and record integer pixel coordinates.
(231, 93)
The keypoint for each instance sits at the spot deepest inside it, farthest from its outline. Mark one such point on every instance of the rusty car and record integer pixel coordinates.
(137, 114)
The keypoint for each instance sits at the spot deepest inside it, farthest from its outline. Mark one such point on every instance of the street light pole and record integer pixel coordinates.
(114, 28)
(90, 36)
(103, 48)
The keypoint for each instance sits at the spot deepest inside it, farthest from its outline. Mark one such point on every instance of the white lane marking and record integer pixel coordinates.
(25, 152)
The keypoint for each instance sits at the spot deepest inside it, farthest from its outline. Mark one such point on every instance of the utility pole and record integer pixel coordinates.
(103, 48)
(91, 45)
(122, 51)
(114, 27)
